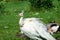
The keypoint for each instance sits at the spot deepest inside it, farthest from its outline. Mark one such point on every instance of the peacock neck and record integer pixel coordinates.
(21, 19)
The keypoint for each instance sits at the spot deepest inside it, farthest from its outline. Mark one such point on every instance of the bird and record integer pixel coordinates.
(53, 27)
(34, 28)
(23, 20)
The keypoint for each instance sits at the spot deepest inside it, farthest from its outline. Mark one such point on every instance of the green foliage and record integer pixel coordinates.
(1, 7)
(0, 0)
(17, 7)
(41, 3)
(9, 22)
(10, 0)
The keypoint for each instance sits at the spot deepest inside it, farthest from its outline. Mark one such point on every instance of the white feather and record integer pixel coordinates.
(34, 29)
(55, 28)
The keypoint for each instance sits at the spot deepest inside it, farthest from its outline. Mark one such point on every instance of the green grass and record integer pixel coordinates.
(9, 21)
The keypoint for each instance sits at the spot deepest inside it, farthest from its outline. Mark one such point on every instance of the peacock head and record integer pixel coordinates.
(21, 14)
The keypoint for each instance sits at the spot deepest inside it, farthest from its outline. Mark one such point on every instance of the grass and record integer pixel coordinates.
(9, 25)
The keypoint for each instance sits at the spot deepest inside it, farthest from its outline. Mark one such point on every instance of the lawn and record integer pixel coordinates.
(9, 20)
